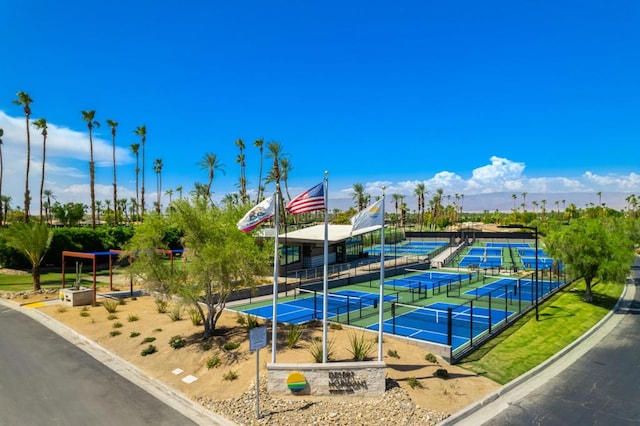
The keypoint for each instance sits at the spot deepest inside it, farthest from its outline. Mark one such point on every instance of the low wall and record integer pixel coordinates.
(367, 378)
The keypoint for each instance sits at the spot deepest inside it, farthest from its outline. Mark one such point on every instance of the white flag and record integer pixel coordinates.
(371, 216)
(260, 213)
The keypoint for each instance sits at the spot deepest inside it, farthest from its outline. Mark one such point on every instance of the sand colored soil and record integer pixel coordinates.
(127, 332)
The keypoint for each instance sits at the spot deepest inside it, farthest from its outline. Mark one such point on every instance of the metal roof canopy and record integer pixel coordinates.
(315, 234)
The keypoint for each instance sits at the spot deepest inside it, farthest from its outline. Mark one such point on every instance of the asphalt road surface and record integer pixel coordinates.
(597, 383)
(46, 380)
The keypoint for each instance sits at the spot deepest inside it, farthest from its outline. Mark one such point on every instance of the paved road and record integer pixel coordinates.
(46, 380)
(596, 383)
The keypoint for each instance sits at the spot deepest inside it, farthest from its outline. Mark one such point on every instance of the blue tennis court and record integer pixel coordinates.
(431, 322)
(481, 251)
(481, 261)
(505, 245)
(308, 306)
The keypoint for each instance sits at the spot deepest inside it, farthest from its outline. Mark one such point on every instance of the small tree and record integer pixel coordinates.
(221, 259)
(592, 249)
(32, 240)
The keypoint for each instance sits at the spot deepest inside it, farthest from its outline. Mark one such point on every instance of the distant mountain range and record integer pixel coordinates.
(504, 202)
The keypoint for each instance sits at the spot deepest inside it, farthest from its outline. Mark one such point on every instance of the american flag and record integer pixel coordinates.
(308, 201)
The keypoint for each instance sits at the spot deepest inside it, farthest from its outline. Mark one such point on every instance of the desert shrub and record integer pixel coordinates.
(111, 305)
(230, 375)
(132, 318)
(62, 309)
(177, 342)
(162, 305)
(115, 333)
(111, 317)
(206, 346)
(175, 313)
(117, 324)
(157, 330)
(294, 334)
(231, 346)
(84, 313)
(121, 301)
(195, 317)
(360, 346)
(316, 350)
(442, 373)
(148, 340)
(431, 358)
(414, 383)
(213, 362)
(335, 326)
(148, 350)
(134, 334)
(393, 353)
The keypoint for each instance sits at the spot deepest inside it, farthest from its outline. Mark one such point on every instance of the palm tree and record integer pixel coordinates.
(275, 152)
(49, 194)
(142, 132)
(135, 147)
(157, 167)
(599, 194)
(285, 169)
(99, 207)
(113, 125)
(89, 116)
(259, 143)
(419, 192)
(169, 192)
(6, 201)
(358, 196)
(25, 100)
(41, 123)
(179, 189)
(210, 163)
(243, 176)
(32, 240)
(397, 198)
(524, 202)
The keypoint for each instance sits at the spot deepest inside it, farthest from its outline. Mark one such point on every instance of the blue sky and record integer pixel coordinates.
(472, 97)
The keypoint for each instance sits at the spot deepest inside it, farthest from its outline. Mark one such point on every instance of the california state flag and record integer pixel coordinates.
(260, 213)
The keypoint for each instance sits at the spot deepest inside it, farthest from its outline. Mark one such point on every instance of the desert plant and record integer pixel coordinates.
(175, 313)
(62, 309)
(213, 362)
(117, 324)
(148, 350)
(132, 318)
(134, 334)
(360, 346)
(115, 333)
(414, 383)
(316, 350)
(84, 313)
(147, 340)
(177, 342)
(231, 346)
(111, 317)
(111, 305)
(431, 358)
(162, 305)
(335, 326)
(195, 316)
(206, 346)
(121, 301)
(393, 353)
(294, 334)
(230, 375)
(157, 330)
(442, 373)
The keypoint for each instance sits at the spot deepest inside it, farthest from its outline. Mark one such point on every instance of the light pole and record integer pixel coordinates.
(535, 230)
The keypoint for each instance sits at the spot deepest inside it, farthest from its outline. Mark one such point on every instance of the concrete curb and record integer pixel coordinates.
(548, 364)
(176, 400)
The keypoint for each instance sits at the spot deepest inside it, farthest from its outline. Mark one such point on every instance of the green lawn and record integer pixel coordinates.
(49, 280)
(528, 343)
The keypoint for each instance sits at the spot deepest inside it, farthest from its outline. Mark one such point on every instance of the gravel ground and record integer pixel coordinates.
(395, 407)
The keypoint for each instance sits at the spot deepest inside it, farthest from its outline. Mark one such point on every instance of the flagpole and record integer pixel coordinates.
(381, 302)
(325, 280)
(276, 261)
